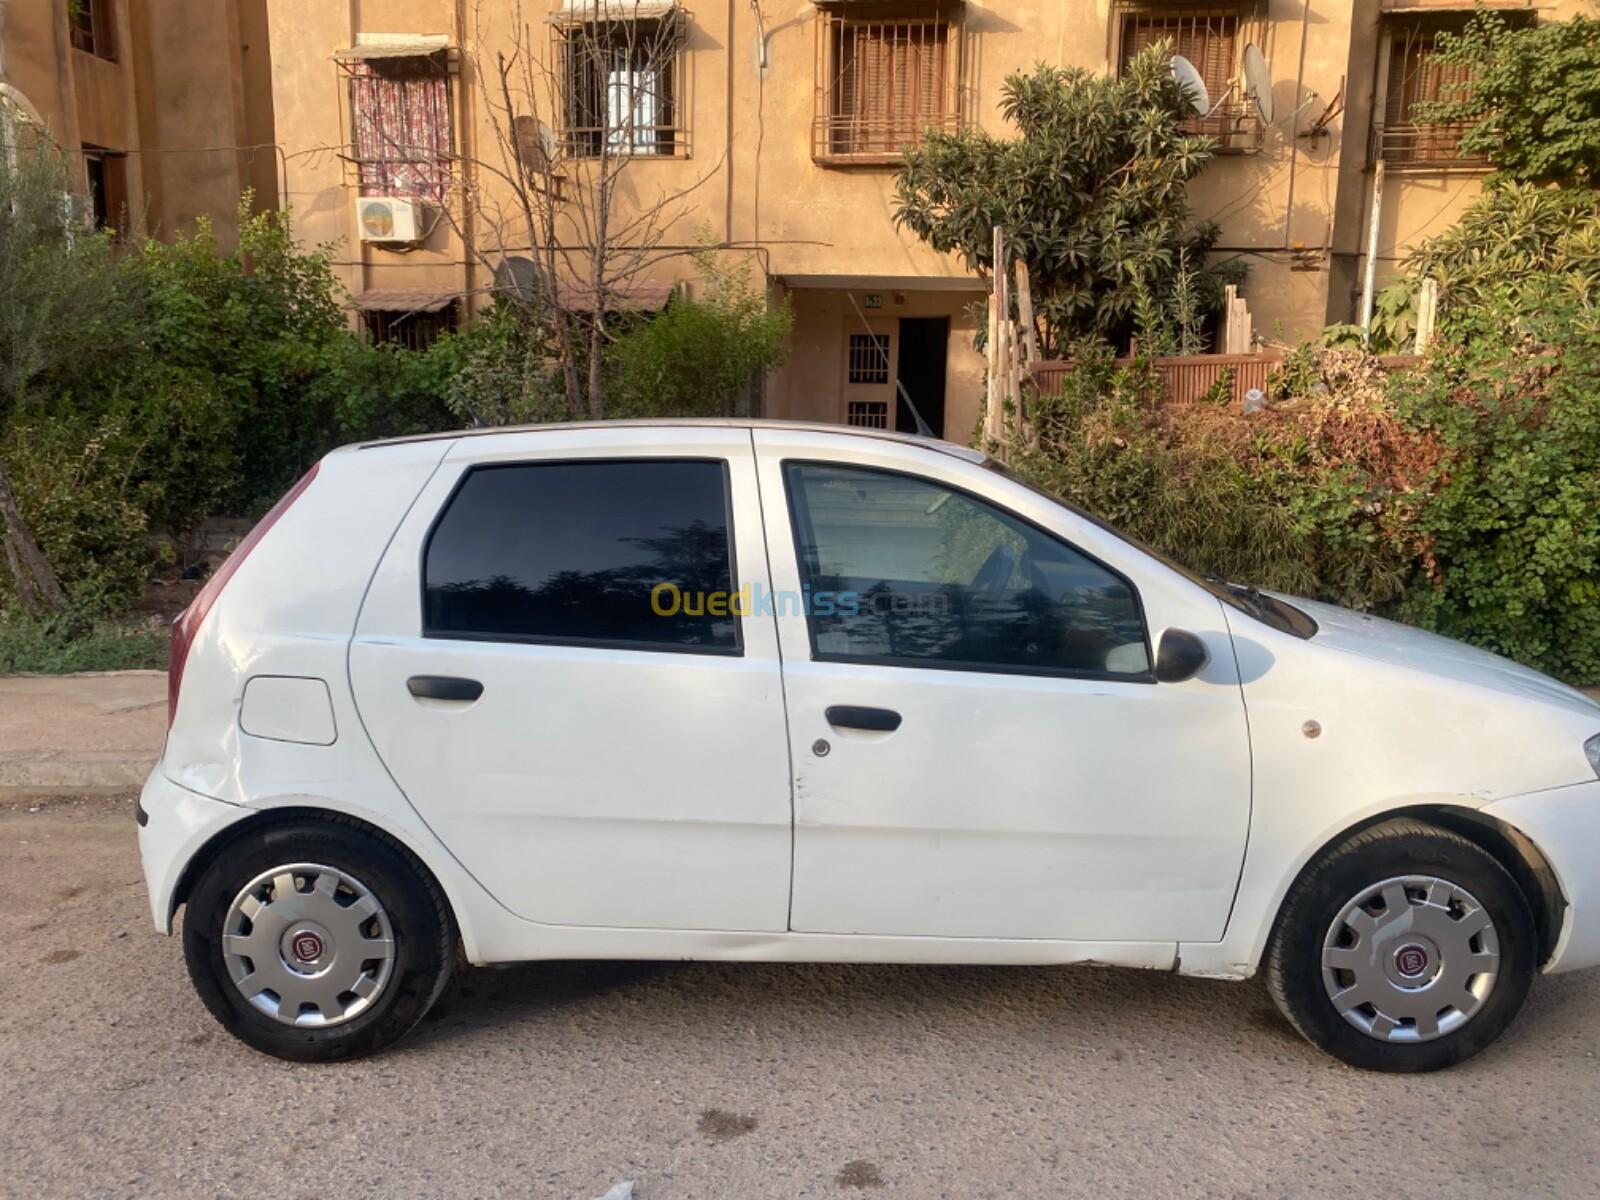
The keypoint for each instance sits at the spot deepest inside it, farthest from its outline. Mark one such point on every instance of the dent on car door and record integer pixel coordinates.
(1032, 779)
(611, 758)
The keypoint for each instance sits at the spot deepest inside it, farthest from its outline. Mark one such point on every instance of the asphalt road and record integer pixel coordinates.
(703, 1080)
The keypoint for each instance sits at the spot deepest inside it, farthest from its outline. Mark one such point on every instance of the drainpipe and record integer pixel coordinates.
(1372, 253)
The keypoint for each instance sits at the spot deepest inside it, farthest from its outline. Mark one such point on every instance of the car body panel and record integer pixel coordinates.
(1391, 733)
(1565, 824)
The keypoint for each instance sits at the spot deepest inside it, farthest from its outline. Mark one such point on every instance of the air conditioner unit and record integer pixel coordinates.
(386, 219)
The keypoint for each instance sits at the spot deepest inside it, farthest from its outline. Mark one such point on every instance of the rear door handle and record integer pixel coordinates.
(444, 687)
(851, 716)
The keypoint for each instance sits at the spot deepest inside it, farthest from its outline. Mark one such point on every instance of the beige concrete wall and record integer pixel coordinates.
(179, 81)
(205, 115)
(37, 61)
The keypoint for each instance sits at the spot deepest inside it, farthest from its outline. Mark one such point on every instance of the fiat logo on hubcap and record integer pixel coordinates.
(1411, 961)
(307, 946)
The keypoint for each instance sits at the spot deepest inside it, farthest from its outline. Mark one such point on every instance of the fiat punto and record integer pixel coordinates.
(774, 692)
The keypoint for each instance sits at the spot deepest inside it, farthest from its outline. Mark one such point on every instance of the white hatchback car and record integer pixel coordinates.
(762, 691)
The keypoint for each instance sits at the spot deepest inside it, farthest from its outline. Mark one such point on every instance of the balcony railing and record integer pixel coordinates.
(854, 139)
(1235, 127)
(1422, 146)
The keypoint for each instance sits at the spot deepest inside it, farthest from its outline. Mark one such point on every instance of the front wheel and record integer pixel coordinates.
(318, 940)
(1404, 948)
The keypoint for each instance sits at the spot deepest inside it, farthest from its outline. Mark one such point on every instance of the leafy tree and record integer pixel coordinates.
(254, 324)
(1090, 194)
(67, 318)
(697, 356)
(1515, 240)
(1532, 99)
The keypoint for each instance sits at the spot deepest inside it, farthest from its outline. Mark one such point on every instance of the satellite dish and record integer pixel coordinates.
(537, 144)
(1188, 78)
(517, 276)
(1258, 82)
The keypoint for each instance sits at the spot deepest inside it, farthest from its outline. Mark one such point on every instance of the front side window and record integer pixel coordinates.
(410, 328)
(908, 572)
(1212, 39)
(106, 173)
(628, 553)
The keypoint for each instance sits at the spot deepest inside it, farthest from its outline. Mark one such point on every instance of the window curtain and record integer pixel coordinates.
(400, 120)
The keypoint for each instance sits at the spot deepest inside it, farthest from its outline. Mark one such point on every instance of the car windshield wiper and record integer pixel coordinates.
(1265, 608)
(1245, 594)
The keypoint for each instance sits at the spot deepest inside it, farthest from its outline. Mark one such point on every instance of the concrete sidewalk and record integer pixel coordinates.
(80, 734)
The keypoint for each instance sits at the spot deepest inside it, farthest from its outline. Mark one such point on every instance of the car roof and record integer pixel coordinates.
(907, 439)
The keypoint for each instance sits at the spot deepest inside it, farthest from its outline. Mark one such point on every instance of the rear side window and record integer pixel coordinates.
(630, 553)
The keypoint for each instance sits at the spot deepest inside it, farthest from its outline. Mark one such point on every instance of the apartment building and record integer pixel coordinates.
(164, 105)
(780, 123)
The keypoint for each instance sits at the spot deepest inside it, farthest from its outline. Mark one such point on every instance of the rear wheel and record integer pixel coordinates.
(1404, 948)
(316, 941)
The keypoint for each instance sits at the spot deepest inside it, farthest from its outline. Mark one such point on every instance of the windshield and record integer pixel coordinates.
(1253, 602)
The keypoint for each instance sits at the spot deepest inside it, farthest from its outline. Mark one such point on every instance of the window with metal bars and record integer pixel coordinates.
(407, 329)
(1417, 77)
(1213, 38)
(400, 127)
(867, 414)
(869, 358)
(884, 80)
(620, 85)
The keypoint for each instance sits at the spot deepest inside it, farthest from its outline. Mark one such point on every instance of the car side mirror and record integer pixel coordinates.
(1180, 656)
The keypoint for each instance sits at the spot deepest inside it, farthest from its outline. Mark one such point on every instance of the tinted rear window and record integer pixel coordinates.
(571, 552)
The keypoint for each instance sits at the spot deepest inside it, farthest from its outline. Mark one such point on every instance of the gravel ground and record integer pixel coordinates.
(703, 1080)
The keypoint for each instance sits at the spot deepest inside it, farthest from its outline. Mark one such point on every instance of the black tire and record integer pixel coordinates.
(419, 918)
(1392, 849)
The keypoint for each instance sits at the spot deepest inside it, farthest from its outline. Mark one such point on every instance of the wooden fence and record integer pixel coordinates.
(1186, 378)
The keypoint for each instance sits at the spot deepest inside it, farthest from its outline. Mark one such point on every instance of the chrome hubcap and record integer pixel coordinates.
(1410, 959)
(308, 944)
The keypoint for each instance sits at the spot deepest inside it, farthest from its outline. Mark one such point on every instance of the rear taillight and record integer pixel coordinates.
(189, 621)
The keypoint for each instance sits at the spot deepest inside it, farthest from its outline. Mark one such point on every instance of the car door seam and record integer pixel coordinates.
(783, 690)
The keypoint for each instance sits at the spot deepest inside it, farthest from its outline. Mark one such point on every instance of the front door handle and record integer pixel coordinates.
(851, 716)
(444, 687)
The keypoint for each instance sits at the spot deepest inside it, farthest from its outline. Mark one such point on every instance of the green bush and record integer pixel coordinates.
(1295, 498)
(700, 357)
(506, 370)
(1462, 496)
(64, 645)
(72, 484)
(1512, 527)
